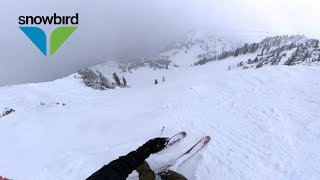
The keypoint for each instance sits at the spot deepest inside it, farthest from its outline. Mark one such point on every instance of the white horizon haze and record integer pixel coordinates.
(109, 27)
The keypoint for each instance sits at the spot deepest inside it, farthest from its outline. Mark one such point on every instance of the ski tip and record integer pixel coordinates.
(184, 134)
(207, 139)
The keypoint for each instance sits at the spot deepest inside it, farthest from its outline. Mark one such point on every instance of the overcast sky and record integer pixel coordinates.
(106, 27)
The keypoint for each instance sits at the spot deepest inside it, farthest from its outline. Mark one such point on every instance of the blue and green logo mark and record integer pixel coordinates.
(58, 36)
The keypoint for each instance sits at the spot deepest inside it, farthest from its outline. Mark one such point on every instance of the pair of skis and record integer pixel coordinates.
(183, 157)
(188, 154)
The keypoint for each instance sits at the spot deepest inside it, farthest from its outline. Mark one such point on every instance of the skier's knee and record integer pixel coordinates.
(171, 175)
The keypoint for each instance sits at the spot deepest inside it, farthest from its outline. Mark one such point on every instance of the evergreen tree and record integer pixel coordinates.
(317, 44)
(262, 51)
(124, 81)
(89, 77)
(163, 79)
(104, 82)
(308, 55)
(156, 81)
(98, 82)
(117, 79)
(253, 48)
(291, 46)
(236, 53)
(269, 47)
(245, 48)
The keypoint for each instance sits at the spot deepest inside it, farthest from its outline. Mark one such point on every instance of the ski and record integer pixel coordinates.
(173, 140)
(176, 138)
(187, 155)
(184, 157)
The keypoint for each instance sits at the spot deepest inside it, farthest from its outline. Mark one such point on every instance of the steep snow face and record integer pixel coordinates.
(264, 123)
(197, 45)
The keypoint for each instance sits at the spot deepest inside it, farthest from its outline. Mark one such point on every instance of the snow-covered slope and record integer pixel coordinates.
(197, 45)
(264, 123)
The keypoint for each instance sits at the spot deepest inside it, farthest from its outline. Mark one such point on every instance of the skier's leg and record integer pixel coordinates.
(145, 172)
(175, 176)
(171, 175)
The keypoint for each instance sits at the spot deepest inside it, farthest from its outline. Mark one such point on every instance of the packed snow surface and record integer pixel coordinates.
(264, 123)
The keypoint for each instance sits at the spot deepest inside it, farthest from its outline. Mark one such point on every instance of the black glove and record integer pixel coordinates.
(154, 145)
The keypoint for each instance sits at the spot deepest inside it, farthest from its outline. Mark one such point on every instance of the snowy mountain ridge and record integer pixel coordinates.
(198, 48)
(271, 51)
(279, 50)
(183, 52)
(196, 45)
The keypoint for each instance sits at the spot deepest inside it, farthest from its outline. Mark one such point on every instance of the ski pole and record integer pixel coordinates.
(161, 131)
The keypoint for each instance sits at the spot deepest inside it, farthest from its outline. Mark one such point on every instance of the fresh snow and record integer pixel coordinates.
(264, 123)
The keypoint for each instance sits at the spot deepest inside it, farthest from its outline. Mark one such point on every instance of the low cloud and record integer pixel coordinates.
(109, 28)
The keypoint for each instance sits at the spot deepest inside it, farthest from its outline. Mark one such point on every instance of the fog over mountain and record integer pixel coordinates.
(111, 28)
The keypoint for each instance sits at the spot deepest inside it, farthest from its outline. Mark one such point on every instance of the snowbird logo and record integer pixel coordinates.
(58, 36)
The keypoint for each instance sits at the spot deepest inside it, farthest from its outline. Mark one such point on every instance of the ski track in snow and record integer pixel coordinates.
(264, 123)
